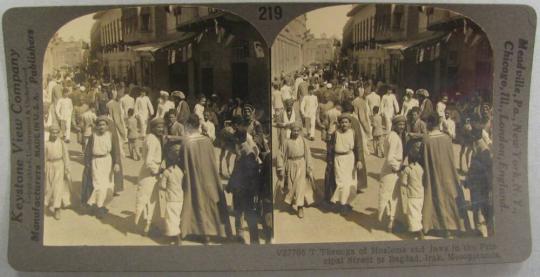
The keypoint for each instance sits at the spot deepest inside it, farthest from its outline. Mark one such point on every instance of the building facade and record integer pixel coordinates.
(61, 53)
(318, 50)
(417, 47)
(287, 51)
(195, 49)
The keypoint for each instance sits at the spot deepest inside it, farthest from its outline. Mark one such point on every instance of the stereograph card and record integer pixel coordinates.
(235, 137)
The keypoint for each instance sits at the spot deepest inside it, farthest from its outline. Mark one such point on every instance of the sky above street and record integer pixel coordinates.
(329, 20)
(78, 28)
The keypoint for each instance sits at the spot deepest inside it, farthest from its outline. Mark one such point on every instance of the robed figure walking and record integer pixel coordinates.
(204, 212)
(102, 174)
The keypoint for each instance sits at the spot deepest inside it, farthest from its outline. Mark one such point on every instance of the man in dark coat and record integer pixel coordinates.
(204, 212)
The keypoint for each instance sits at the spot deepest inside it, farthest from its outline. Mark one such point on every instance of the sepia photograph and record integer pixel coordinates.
(381, 125)
(157, 129)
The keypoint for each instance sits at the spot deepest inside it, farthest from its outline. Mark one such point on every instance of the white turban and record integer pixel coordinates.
(163, 93)
(179, 94)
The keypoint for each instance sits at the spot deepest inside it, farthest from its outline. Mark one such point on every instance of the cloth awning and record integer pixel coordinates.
(407, 44)
(155, 46)
(230, 22)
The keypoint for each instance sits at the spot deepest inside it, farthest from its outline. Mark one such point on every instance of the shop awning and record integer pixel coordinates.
(200, 24)
(155, 46)
(407, 44)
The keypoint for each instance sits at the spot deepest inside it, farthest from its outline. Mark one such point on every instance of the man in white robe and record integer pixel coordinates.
(149, 173)
(393, 153)
(64, 111)
(164, 104)
(199, 108)
(143, 110)
(277, 100)
(389, 107)
(286, 90)
(373, 99)
(308, 109)
(127, 103)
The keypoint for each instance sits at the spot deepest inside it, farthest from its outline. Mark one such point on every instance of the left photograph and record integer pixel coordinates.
(157, 129)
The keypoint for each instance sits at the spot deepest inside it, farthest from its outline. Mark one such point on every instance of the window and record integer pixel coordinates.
(145, 22)
(178, 15)
(397, 21)
(119, 29)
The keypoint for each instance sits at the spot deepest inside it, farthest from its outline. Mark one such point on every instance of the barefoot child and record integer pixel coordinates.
(413, 195)
(171, 186)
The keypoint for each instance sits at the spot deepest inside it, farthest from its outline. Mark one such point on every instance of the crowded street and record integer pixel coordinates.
(117, 227)
(319, 222)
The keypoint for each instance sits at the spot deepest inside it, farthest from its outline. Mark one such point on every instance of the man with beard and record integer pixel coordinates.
(204, 211)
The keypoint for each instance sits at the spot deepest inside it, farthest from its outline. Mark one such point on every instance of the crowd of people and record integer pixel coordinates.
(421, 183)
(181, 186)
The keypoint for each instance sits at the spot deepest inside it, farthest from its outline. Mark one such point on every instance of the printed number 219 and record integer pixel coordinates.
(270, 13)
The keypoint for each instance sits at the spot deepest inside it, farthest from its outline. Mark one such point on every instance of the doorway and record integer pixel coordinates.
(240, 79)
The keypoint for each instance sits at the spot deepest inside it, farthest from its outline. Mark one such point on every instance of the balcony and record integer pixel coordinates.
(441, 21)
(390, 34)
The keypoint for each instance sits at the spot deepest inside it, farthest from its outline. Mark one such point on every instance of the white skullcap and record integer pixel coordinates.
(163, 93)
(329, 85)
(82, 88)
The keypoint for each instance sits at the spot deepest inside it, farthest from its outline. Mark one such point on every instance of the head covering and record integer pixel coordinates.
(102, 118)
(409, 91)
(296, 124)
(82, 88)
(288, 102)
(156, 121)
(213, 95)
(163, 93)
(329, 85)
(54, 128)
(399, 118)
(248, 107)
(422, 92)
(342, 116)
(179, 94)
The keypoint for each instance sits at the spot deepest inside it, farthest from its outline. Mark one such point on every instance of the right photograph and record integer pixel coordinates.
(381, 125)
